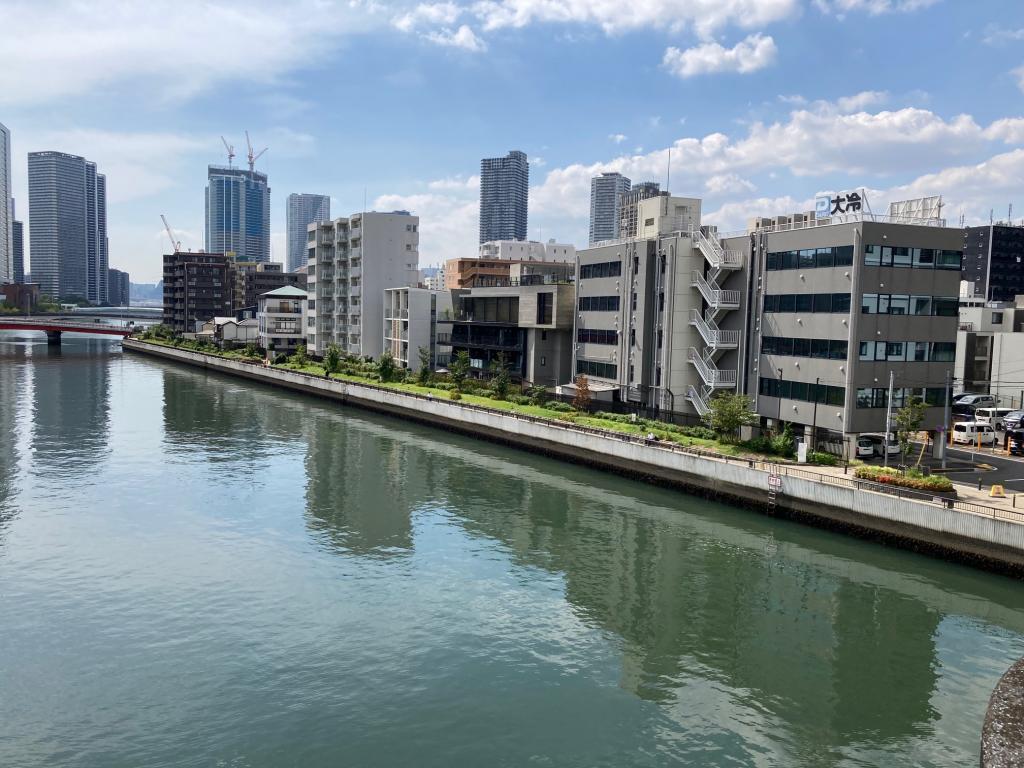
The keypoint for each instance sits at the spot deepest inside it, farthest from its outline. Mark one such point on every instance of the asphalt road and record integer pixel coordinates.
(962, 466)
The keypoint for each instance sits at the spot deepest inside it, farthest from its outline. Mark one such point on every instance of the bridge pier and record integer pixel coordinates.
(53, 338)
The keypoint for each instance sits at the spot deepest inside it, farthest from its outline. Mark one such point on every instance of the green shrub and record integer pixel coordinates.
(914, 480)
(280, 359)
(782, 444)
(822, 459)
(454, 395)
(560, 407)
(759, 444)
(520, 399)
(703, 433)
(539, 395)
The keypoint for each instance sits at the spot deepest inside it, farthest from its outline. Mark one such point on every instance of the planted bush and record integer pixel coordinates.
(914, 480)
(822, 459)
(454, 395)
(560, 407)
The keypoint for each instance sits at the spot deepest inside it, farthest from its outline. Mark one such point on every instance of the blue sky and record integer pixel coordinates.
(764, 103)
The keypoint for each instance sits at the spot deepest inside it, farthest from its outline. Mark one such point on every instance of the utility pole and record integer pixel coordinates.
(945, 422)
(888, 422)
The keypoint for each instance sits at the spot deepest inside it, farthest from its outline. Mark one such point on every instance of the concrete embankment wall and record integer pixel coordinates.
(974, 538)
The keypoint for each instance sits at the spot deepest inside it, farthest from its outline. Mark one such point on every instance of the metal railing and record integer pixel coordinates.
(713, 295)
(713, 375)
(700, 403)
(714, 336)
(717, 256)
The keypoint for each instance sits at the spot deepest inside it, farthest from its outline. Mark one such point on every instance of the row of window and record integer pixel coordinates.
(601, 336)
(592, 368)
(810, 258)
(807, 302)
(902, 304)
(877, 397)
(917, 258)
(909, 351)
(602, 269)
(831, 349)
(599, 303)
(800, 390)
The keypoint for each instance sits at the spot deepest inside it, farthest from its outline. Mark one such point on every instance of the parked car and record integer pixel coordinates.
(972, 433)
(865, 448)
(1015, 441)
(878, 442)
(957, 398)
(968, 404)
(992, 416)
(1013, 420)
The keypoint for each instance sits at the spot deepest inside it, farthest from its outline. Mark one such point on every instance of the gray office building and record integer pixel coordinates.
(303, 210)
(238, 213)
(6, 209)
(118, 288)
(67, 202)
(18, 244)
(606, 193)
(631, 198)
(504, 197)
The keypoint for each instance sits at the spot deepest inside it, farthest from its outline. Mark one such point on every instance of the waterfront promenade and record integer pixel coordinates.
(987, 535)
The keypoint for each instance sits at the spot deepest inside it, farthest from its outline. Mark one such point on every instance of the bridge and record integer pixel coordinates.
(54, 328)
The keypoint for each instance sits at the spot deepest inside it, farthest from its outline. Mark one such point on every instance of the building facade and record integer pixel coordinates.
(835, 308)
(118, 288)
(989, 348)
(67, 201)
(281, 316)
(18, 249)
(527, 250)
(252, 279)
(504, 197)
(606, 193)
(415, 319)
(303, 210)
(238, 213)
(6, 209)
(197, 288)
(994, 261)
(350, 263)
(628, 205)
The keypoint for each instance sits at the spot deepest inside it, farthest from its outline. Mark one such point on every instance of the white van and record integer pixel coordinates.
(992, 416)
(973, 433)
(878, 441)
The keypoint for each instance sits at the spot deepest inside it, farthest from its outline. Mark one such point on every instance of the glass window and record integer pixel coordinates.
(920, 351)
(784, 346)
(948, 259)
(807, 256)
(901, 257)
(787, 302)
(886, 256)
(835, 395)
(869, 304)
(943, 351)
(802, 347)
(771, 303)
(946, 306)
(821, 302)
(920, 305)
(880, 350)
(867, 350)
(823, 257)
(804, 302)
(843, 255)
(997, 318)
(838, 349)
(790, 259)
(819, 348)
(895, 351)
(841, 302)
(785, 388)
(898, 304)
(799, 390)
(772, 264)
(872, 256)
(863, 397)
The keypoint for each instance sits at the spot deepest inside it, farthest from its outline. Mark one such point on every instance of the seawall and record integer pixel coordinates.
(820, 499)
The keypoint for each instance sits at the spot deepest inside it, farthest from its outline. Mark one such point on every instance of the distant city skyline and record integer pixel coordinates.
(580, 88)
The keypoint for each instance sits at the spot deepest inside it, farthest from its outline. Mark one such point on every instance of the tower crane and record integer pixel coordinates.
(175, 244)
(253, 157)
(231, 150)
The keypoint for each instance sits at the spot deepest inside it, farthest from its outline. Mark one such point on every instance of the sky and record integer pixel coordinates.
(762, 105)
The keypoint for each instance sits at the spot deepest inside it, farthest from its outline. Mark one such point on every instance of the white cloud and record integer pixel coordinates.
(456, 182)
(749, 55)
(538, 162)
(1019, 74)
(448, 223)
(872, 7)
(1009, 130)
(618, 138)
(859, 101)
(431, 14)
(463, 38)
(727, 184)
(998, 35)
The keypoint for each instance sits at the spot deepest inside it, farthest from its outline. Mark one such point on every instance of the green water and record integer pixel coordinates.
(199, 571)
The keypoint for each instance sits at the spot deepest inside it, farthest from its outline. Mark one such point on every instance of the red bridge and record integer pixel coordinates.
(54, 328)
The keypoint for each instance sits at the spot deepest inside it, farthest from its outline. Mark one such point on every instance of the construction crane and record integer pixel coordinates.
(253, 157)
(175, 244)
(231, 150)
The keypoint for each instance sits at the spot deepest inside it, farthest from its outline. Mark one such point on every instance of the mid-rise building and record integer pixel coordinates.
(67, 202)
(838, 306)
(989, 348)
(303, 210)
(432, 278)
(22, 296)
(6, 209)
(118, 288)
(527, 250)
(197, 288)
(504, 197)
(252, 279)
(238, 213)
(606, 193)
(281, 316)
(350, 263)
(415, 319)
(994, 261)
(628, 203)
(472, 273)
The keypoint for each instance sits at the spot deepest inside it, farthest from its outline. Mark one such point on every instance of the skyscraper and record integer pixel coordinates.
(303, 210)
(18, 247)
(118, 288)
(606, 193)
(238, 213)
(67, 207)
(6, 209)
(504, 197)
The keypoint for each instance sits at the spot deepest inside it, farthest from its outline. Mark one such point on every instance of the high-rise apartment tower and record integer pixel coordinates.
(303, 210)
(504, 197)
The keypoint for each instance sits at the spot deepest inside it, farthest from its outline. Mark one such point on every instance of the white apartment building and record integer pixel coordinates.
(281, 316)
(414, 319)
(350, 263)
(527, 250)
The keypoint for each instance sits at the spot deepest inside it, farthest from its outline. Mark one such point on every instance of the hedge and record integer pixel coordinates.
(917, 482)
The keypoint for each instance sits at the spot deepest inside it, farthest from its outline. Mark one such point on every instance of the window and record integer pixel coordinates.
(803, 302)
(824, 258)
(948, 259)
(869, 304)
(841, 302)
(901, 257)
(545, 302)
(821, 302)
(946, 306)
(599, 303)
(917, 258)
(872, 255)
(601, 269)
(898, 305)
(593, 368)
(997, 318)
(807, 258)
(807, 302)
(648, 222)
(596, 336)
(819, 348)
(632, 337)
(810, 258)
(844, 257)
(920, 305)
(877, 397)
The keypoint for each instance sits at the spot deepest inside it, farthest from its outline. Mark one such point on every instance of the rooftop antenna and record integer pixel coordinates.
(230, 149)
(253, 157)
(175, 244)
(668, 172)
(1009, 215)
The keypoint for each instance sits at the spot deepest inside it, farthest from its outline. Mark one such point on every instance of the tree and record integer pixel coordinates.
(299, 358)
(501, 381)
(582, 400)
(425, 375)
(386, 367)
(728, 412)
(908, 420)
(332, 359)
(459, 367)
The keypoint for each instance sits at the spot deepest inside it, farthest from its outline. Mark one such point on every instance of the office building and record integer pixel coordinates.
(835, 308)
(118, 288)
(197, 288)
(628, 203)
(238, 213)
(18, 247)
(527, 250)
(67, 202)
(415, 319)
(504, 197)
(994, 261)
(606, 193)
(989, 348)
(6, 209)
(351, 261)
(281, 316)
(303, 210)
(251, 279)
(658, 324)
(475, 273)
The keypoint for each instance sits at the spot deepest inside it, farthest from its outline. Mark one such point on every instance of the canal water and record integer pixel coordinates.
(200, 571)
